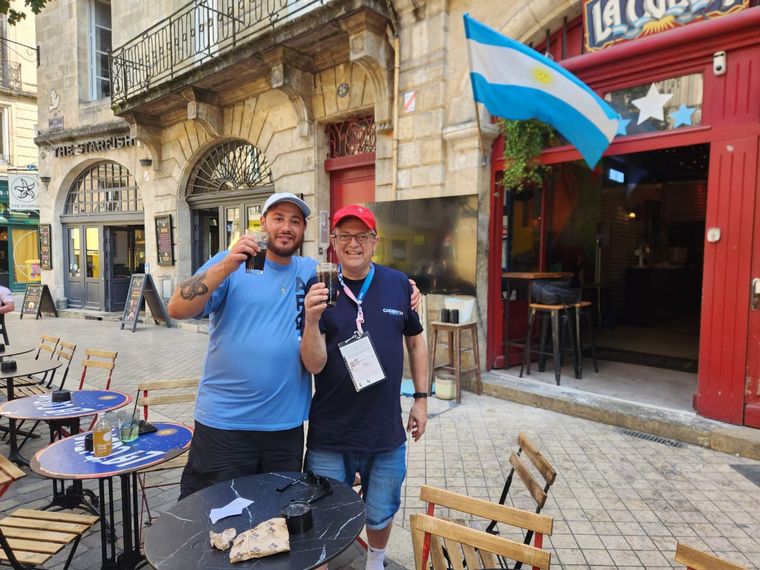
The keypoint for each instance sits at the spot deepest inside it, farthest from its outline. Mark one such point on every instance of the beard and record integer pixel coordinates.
(285, 251)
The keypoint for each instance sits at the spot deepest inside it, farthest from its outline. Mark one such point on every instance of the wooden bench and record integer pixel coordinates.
(29, 538)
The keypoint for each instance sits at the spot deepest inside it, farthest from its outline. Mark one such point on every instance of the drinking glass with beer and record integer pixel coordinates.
(255, 263)
(327, 273)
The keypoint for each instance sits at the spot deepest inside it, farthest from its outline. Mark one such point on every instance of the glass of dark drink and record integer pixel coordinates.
(327, 273)
(255, 263)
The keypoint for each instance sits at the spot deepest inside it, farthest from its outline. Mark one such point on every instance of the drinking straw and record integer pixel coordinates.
(136, 399)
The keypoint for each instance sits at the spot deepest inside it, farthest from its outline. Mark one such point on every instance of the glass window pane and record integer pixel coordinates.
(92, 244)
(233, 226)
(138, 260)
(75, 252)
(254, 217)
(26, 255)
(102, 40)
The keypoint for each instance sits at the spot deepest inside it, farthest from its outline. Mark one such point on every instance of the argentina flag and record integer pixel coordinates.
(515, 82)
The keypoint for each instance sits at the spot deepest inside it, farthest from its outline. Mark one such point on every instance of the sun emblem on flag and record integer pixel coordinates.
(542, 75)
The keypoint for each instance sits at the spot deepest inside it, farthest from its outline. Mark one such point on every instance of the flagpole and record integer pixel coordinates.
(480, 134)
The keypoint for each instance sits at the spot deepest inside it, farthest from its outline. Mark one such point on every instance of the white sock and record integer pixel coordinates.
(375, 557)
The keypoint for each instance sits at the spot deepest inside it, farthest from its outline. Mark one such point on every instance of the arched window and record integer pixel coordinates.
(229, 166)
(107, 187)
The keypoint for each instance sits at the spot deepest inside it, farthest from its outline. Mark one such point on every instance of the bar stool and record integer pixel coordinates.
(453, 339)
(551, 312)
(584, 310)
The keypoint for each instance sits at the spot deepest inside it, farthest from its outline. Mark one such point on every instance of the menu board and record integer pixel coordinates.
(38, 300)
(141, 287)
(165, 240)
(46, 258)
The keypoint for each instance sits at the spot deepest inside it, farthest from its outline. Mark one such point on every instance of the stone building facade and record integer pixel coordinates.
(137, 138)
(19, 255)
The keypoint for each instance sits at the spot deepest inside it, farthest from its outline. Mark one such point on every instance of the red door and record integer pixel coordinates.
(731, 197)
(352, 181)
(752, 386)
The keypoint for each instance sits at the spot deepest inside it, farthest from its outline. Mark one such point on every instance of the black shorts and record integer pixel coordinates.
(219, 455)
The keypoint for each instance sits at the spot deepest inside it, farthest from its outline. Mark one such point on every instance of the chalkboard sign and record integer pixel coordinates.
(141, 287)
(38, 300)
(46, 258)
(165, 240)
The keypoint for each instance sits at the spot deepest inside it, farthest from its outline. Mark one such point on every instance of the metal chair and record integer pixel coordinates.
(478, 549)
(157, 393)
(519, 521)
(65, 352)
(97, 359)
(697, 560)
(537, 491)
(29, 538)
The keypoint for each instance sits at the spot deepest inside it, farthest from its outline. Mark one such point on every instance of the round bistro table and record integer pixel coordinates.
(179, 539)
(67, 459)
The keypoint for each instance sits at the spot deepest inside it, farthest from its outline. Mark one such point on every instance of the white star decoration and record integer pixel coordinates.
(652, 105)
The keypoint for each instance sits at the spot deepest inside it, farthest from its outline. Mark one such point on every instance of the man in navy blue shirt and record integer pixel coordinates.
(356, 351)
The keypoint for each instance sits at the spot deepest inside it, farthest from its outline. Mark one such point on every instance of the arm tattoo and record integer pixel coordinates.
(193, 287)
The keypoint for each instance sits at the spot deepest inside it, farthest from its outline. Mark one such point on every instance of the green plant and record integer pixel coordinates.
(523, 142)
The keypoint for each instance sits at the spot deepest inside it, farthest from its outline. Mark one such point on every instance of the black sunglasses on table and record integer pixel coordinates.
(311, 478)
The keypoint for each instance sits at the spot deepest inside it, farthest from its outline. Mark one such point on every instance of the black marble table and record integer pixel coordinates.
(179, 539)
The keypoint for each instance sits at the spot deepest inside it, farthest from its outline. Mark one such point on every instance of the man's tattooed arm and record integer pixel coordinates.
(193, 287)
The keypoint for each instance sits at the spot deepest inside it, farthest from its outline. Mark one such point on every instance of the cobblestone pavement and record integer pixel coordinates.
(618, 502)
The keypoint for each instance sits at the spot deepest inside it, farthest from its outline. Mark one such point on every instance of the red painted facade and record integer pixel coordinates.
(729, 359)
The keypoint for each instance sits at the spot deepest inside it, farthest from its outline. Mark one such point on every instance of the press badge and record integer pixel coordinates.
(361, 360)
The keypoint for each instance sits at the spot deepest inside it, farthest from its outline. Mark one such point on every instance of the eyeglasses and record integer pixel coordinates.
(361, 239)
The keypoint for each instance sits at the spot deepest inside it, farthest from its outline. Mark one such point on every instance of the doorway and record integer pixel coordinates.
(124, 253)
(631, 232)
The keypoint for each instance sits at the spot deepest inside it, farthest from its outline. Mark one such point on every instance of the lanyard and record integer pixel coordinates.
(362, 292)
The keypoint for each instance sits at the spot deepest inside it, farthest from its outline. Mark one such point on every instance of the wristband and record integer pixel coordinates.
(418, 395)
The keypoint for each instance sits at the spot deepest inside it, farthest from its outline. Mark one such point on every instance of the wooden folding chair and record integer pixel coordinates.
(518, 519)
(94, 359)
(29, 538)
(157, 393)
(478, 549)
(66, 352)
(538, 491)
(697, 560)
(46, 348)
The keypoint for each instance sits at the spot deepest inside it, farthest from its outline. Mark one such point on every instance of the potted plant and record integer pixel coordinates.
(523, 143)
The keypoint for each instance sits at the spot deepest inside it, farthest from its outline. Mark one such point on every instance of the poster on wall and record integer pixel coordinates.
(164, 240)
(23, 191)
(606, 22)
(46, 258)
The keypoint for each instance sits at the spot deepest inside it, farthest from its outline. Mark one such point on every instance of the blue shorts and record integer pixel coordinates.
(382, 476)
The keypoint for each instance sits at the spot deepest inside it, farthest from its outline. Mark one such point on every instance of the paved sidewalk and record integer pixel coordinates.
(619, 501)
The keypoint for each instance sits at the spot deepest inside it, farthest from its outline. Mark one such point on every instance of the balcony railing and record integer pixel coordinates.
(198, 32)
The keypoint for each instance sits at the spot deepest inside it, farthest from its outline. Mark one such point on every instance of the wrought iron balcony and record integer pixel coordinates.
(197, 33)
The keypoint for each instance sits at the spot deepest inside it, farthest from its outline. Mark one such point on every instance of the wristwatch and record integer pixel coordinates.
(418, 395)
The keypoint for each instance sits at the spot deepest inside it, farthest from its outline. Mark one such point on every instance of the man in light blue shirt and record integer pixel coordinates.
(254, 393)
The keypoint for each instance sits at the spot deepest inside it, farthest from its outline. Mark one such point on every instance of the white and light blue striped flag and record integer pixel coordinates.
(514, 81)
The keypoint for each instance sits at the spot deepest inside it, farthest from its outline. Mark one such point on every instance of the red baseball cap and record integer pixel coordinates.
(355, 211)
